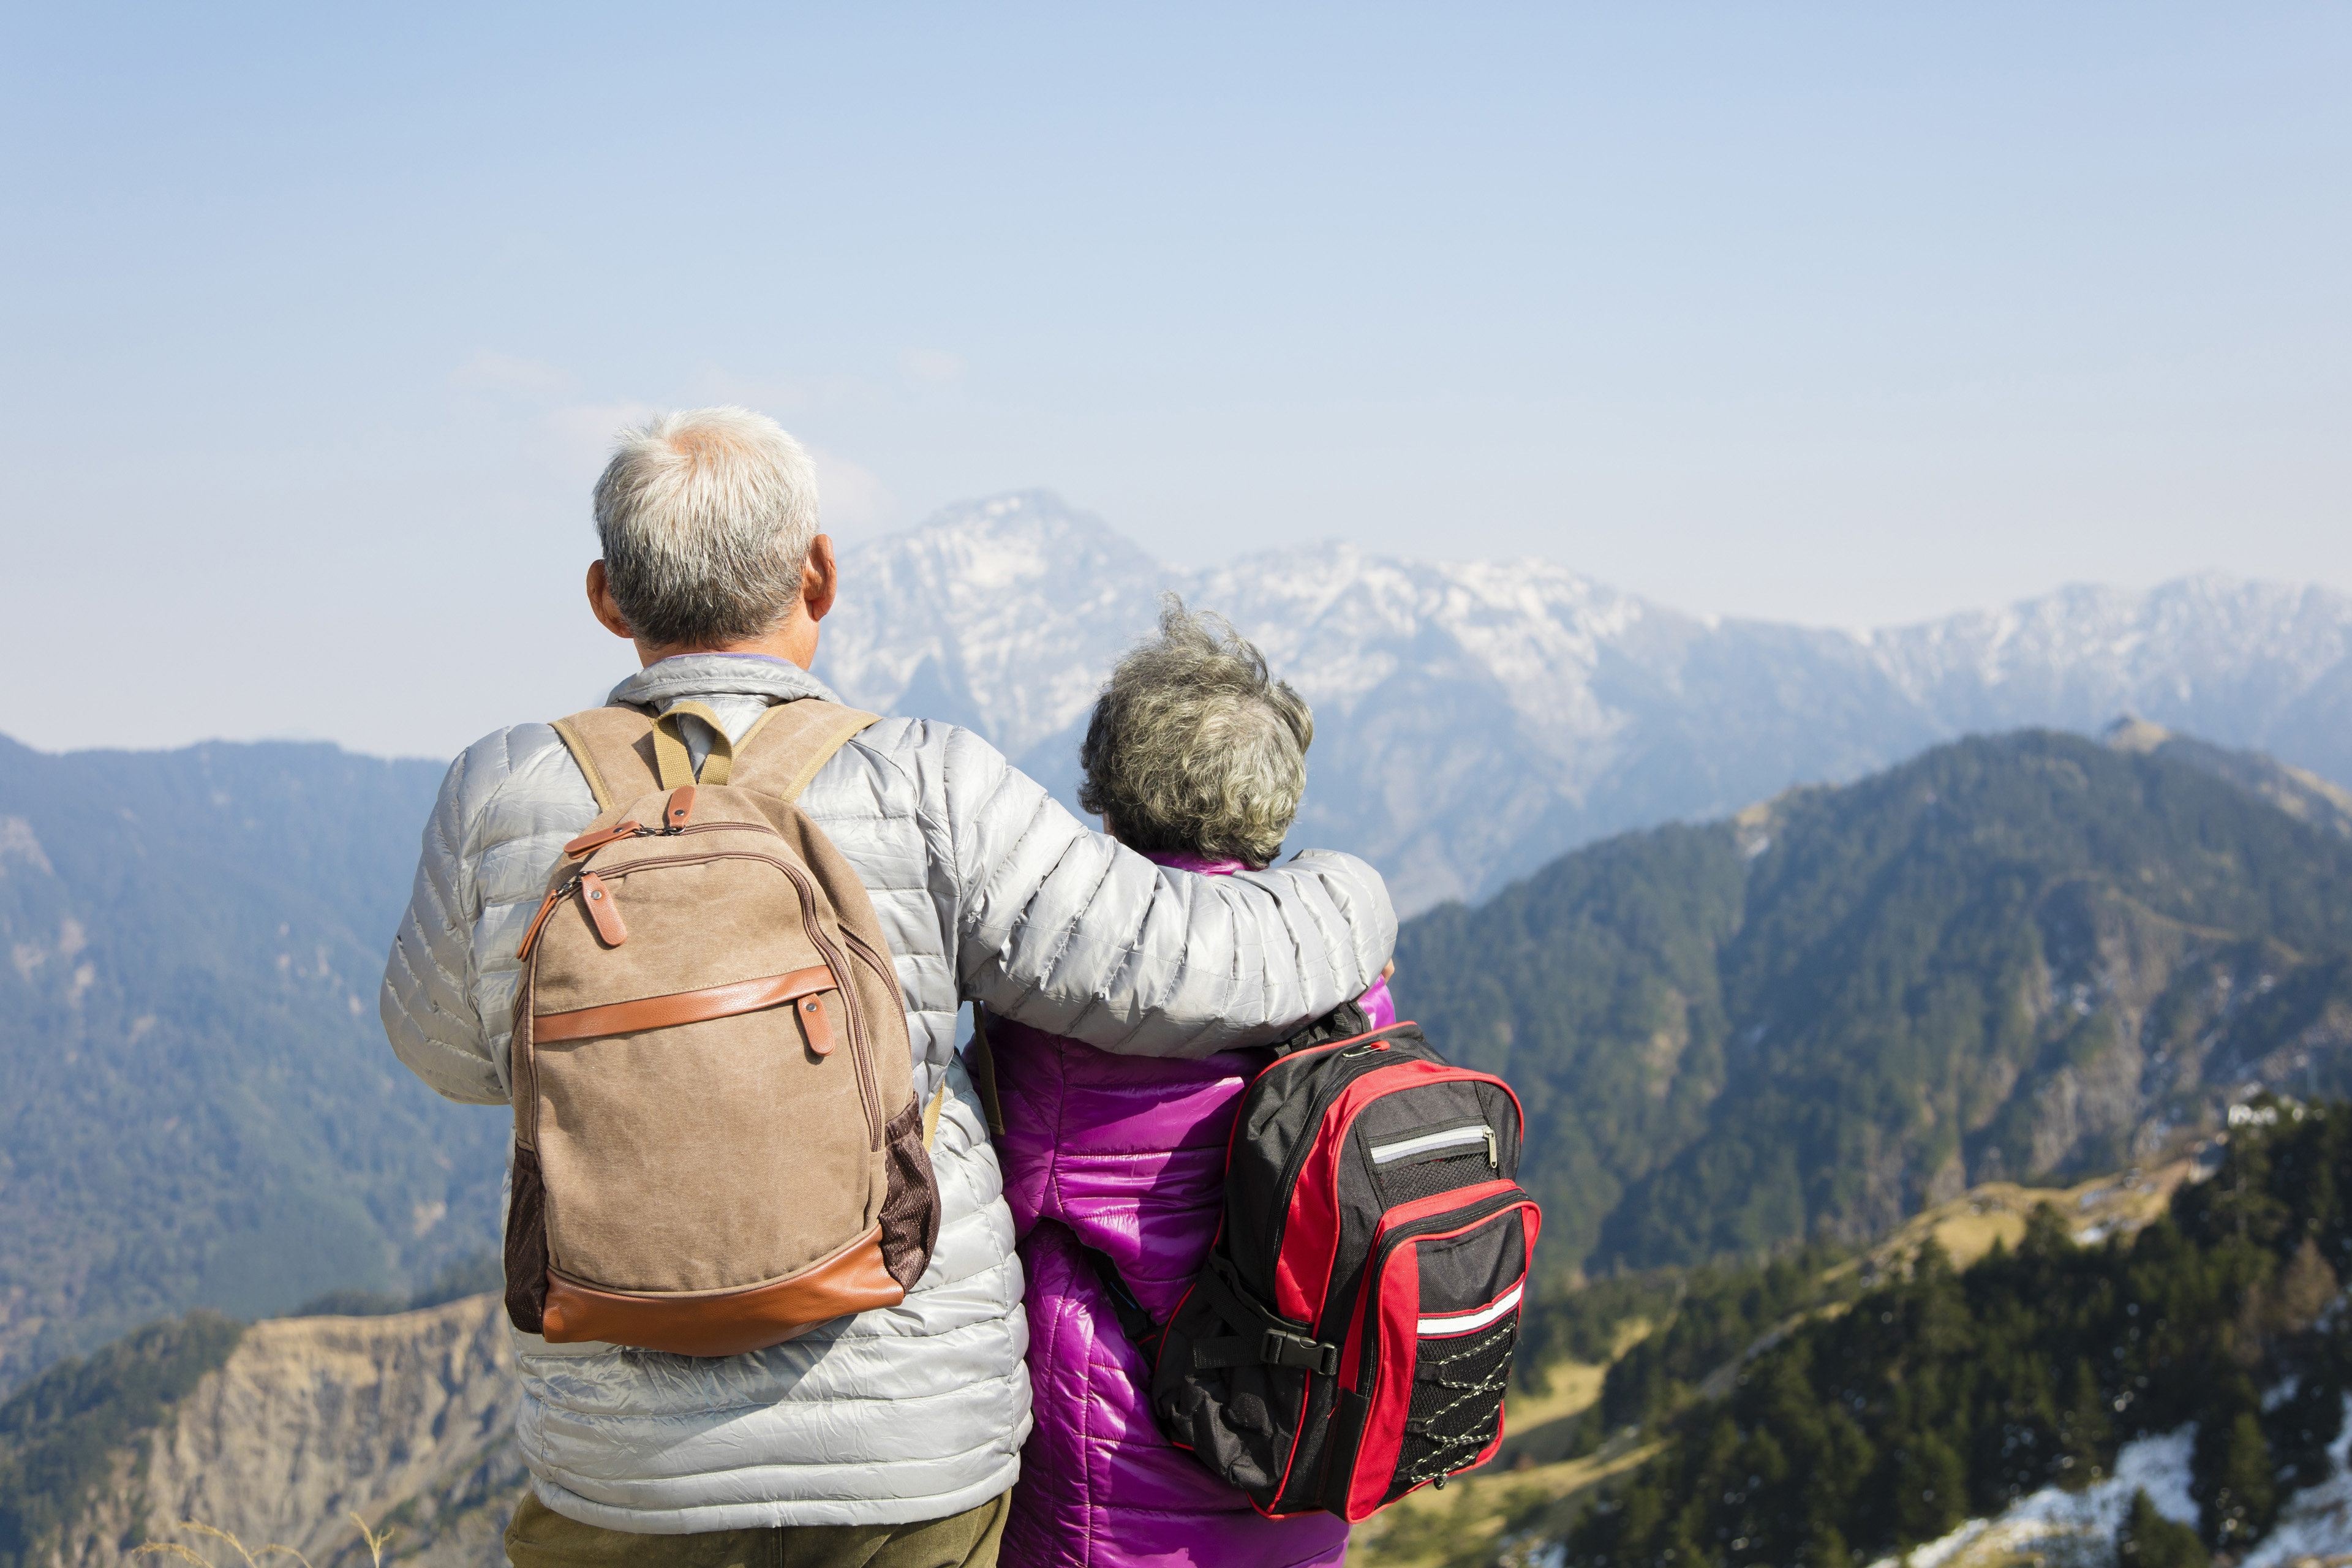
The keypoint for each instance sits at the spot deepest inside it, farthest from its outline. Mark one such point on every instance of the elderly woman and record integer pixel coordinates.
(1114, 1166)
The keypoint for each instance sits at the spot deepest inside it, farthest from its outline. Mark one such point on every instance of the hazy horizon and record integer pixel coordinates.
(593, 659)
(1834, 316)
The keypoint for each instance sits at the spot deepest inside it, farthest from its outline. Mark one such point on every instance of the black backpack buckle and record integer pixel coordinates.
(1281, 1348)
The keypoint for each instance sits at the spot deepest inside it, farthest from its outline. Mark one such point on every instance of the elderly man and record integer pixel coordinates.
(891, 1437)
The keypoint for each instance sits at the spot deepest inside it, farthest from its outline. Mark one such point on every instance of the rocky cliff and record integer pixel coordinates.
(406, 1421)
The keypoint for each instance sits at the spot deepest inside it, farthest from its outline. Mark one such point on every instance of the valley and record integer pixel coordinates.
(283, 1432)
(1913, 1403)
(201, 1109)
(1826, 991)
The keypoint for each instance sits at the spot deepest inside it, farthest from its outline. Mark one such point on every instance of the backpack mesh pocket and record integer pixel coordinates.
(1456, 1408)
(1410, 1184)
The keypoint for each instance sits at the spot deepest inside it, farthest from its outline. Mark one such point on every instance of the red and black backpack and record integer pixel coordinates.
(1351, 1335)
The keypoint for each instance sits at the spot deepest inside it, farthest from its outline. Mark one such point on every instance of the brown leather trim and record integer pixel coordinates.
(598, 899)
(681, 1007)
(588, 842)
(537, 921)
(680, 808)
(731, 1323)
(818, 1027)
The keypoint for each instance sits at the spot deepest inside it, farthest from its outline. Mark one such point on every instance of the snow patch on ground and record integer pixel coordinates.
(2316, 1523)
(2051, 1517)
(2317, 1520)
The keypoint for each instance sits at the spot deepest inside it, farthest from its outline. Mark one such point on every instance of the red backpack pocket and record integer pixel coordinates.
(1429, 1351)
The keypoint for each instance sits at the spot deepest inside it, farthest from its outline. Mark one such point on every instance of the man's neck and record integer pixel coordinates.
(795, 642)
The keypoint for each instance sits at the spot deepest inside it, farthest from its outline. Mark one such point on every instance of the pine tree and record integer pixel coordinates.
(2234, 1479)
(2148, 1540)
(2085, 1434)
(1931, 1490)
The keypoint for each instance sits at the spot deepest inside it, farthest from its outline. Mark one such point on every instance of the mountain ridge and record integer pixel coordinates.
(2010, 958)
(203, 1109)
(1475, 718)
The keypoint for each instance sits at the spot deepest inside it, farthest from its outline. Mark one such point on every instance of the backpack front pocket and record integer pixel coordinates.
(1422, 1162)
(1429, 1354)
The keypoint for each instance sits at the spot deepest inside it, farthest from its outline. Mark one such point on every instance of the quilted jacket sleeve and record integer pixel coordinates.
(428, 1002)
(1066, 931)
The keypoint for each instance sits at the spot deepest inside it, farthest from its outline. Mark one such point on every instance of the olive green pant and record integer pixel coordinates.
(539, 1537)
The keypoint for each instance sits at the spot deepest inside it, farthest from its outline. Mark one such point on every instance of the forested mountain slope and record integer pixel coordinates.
(2010, 958)
(200, 1108)
(1951, 1393)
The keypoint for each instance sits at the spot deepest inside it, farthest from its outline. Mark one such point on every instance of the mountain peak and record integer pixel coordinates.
(1474, 718)
(1035, 521)
(2130, 732)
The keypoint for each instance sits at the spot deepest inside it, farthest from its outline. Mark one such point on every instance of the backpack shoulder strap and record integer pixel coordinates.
(614, 747)
(783, 752)
(624, 755)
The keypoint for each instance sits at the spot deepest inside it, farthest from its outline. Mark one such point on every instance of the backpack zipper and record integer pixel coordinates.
(884, 973)
(1465, 1136)
(860, 1049)
(1334, 1084)
(585, 848)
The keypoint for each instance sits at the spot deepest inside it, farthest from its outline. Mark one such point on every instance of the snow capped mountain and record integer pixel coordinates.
(2219, 657)
(1474, 720)
(1001, 614)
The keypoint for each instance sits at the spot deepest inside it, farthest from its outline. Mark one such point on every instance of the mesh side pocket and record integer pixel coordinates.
(910, 1202)
(1457, 1403)
(1403, 1184)
(526, 1248)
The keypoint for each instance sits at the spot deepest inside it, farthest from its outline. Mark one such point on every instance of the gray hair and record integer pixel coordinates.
(1193, 749)
(706, 516)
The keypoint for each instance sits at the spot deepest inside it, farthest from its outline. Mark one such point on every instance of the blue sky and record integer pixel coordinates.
(318, 318)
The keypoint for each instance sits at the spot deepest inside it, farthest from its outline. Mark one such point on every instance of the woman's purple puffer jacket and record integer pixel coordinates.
(1126, 1155)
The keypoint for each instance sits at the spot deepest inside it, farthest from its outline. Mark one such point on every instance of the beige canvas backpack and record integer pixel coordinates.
(717, 1140)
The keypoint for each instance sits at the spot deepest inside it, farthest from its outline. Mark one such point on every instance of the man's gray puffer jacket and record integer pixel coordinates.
(990, 892)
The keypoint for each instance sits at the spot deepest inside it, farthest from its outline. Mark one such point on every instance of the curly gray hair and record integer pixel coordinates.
(1193, 748)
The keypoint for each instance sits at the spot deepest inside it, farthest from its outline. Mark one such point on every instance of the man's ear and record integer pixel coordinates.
(602, 606)
(820, 578)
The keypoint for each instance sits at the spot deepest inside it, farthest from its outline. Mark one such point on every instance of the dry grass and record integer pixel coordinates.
(1531, 1473)
(1967, 1226)
(1429, 1527)
(375, 1545)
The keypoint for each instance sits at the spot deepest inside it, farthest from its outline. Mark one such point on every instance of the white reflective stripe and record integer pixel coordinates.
(1452, 1137)
(1463, 1322)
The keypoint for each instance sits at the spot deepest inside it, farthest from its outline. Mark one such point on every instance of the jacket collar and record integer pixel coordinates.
(689, 677)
